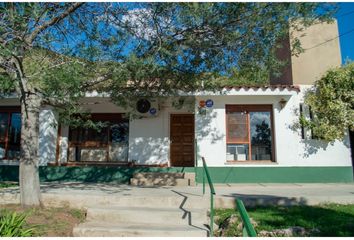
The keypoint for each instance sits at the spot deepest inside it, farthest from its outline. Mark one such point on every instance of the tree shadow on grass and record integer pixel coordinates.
(267, 200)
(332, 220)
(276, 212)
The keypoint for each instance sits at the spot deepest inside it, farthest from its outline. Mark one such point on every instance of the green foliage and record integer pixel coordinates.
(155, 48)
(12, 224)
(332, 220)
(332, 103)
(78, 214)
(7, 184)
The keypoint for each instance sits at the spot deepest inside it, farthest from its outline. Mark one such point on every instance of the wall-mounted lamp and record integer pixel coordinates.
(282, 103)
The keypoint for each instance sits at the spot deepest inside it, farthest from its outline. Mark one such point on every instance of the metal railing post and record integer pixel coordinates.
(196, 161)
(211, 215)
(248, 229)
(212, 193)
(203, 181)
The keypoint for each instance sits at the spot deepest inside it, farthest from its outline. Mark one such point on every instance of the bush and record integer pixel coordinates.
(12, 225)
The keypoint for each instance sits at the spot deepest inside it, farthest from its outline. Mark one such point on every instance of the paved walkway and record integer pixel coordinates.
(285, 194)
(282, 194)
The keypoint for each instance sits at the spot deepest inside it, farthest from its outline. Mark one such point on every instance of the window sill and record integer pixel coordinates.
(14, 162)
(92, 163)
(255, 162)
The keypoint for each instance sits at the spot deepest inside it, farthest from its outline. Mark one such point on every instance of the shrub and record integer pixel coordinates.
(12, 224)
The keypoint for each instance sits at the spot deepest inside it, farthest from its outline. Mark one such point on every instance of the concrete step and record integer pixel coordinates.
(99, 229)
(188, 175)
(158, 175)
(158, 216)
(170, 181)
(86, 201)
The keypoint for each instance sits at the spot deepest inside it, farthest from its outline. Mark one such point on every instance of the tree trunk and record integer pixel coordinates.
(29, 161)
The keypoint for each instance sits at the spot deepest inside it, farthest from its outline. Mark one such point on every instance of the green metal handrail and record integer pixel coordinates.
(196, 162)
(212, 193)
(248, 229)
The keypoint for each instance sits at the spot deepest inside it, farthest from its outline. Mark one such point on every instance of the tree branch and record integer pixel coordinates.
(52, 22)
(96, 81)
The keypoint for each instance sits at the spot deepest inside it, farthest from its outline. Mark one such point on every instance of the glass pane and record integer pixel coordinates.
(118, 150)
(15, 129)
(237, 152)
(261, 135)
(4, 118)
(13, 150)
(120, 132)
(100, 135)
(2, 150)
(237, 127)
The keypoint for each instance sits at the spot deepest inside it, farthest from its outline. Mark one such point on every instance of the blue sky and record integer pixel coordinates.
(345, 18)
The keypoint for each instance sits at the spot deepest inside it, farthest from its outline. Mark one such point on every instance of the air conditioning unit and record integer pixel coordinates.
(147, 107)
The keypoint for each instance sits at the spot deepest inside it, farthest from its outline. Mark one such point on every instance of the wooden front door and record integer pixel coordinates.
(182, 140)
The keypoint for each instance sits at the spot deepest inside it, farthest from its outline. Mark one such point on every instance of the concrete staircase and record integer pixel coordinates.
(150, 179)
(147, 216)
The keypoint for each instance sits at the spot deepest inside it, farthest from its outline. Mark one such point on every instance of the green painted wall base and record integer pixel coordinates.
(218, 174)
(278, 174)
(86, 174)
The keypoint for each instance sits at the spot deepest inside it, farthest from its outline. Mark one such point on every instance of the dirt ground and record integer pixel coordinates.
(50, 222)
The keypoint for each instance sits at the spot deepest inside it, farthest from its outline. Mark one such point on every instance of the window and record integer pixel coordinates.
(249, 134)
(109, 143)
(307, 113)
(10, 133)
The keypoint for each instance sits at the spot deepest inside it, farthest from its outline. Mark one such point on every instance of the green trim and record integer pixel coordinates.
(87, 174)
(217, 174)
(279, 174)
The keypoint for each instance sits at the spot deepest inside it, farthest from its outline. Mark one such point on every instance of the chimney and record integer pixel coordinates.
(321, 53)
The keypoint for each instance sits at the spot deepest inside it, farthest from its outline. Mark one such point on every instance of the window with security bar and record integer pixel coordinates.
(249, 133)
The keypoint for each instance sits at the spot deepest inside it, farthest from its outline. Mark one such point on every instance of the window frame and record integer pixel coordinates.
(9, 110)
(112, 118)
(250, 108)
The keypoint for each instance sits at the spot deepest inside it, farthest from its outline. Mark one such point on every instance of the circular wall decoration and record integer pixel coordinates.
(143, 105)
(202, 103)
(152, 111)
(209, 103)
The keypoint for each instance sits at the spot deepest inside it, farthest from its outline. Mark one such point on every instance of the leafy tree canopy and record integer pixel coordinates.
(332, 103)
(148, 48)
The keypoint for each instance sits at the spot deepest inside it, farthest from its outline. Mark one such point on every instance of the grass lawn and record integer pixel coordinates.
(332, 220)
(49, 222)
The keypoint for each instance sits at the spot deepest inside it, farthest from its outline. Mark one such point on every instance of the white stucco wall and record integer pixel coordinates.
(290, 149)
(149, 138)
(48, 132)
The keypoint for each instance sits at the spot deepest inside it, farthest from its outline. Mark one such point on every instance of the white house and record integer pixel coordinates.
(246, 134)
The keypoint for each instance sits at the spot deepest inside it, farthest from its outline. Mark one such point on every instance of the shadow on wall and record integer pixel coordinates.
(9, 173)
(47, 137)
(149, 150)
(311, 145)
(204, 129)
(90, 174)
(99, 173)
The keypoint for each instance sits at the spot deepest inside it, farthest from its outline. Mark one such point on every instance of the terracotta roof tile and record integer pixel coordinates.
(271, 87)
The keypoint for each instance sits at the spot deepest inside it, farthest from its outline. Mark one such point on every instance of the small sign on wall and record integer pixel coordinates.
(205, 106)
(209, 103)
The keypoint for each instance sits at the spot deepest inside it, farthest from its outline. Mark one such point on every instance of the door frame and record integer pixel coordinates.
(169, 134)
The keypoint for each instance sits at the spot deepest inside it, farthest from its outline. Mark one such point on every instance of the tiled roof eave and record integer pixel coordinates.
(264, 88)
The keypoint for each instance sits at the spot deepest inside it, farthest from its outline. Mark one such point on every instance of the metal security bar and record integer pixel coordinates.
(212, 193)
(248, 229)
